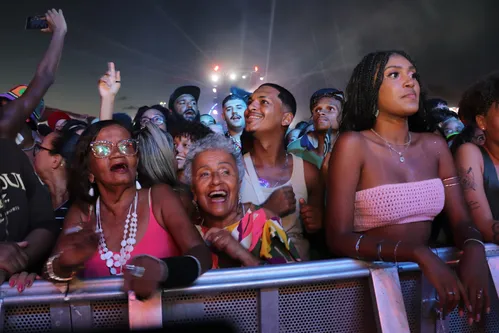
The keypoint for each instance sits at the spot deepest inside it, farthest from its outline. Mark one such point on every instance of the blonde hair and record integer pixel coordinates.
(157, 164)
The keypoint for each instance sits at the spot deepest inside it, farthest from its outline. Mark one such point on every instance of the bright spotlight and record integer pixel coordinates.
(232, 76)
(214, 77)
(215, 90)
(216, 68)
(261, 78)
(215, 112)
(244, 77)
(256, 68)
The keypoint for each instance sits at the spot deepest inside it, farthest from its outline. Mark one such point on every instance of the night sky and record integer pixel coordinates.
(159, 45)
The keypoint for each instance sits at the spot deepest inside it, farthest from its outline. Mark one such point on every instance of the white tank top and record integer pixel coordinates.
(251, 191)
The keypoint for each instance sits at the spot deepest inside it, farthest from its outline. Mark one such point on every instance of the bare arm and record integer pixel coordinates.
(345, 167)
(13, 114)
(469, 164)
(171, 214)
(315, 189)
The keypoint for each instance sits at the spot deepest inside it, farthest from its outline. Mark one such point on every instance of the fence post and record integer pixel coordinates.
(388, 301)
(60, 317)
(268, 310)
(494, 271)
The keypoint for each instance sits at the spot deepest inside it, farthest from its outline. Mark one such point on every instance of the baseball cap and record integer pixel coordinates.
(189, 90)
(326, 92)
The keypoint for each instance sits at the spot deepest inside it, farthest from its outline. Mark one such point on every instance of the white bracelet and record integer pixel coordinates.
(473, 240)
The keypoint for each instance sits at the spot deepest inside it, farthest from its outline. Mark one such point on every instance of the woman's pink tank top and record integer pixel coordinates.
(156, 242)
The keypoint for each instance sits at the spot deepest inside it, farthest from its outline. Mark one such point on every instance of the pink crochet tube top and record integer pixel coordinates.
(398, 204)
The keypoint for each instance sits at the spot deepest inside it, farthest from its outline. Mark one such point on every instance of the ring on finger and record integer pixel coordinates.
(136, 271)
(451, 293)
(217, 238)
(479, 294)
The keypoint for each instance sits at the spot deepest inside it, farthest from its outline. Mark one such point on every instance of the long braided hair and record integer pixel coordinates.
(362, 93)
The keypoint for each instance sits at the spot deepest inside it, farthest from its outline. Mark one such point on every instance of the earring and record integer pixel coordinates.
(91, 192)
(376, 113)
(137, 185)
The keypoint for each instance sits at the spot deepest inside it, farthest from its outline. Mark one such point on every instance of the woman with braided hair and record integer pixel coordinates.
(389, 177)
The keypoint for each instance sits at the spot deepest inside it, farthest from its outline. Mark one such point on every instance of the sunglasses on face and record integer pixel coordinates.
(156, 120)
(38, 148)
(103, 149)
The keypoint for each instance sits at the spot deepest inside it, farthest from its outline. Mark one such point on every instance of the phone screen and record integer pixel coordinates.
(38, 22)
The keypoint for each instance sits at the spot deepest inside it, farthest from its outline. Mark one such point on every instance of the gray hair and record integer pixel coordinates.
(212, 142)
(157, 159)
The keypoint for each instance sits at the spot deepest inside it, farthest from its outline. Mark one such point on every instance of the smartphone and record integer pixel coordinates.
(37, 22)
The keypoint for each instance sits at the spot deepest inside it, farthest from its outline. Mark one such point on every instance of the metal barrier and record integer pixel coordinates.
(323, 296)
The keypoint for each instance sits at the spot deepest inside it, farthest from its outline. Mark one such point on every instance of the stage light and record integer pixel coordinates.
(232, 76)
(261, 78)
(215, 90)
(243, 77)
(162, 103)
(215, 112)
(216, 68)
(256, 68)
(214, 77)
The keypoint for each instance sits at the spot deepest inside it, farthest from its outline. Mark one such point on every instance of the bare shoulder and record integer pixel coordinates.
(159, 190)
(431, 141)
(468, 151)
(350, 140)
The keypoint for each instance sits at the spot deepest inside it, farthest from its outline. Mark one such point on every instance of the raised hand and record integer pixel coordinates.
(310, 217)
(110, 83)
(56, 22)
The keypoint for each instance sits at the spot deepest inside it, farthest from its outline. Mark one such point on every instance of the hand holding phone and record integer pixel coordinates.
(37, 22)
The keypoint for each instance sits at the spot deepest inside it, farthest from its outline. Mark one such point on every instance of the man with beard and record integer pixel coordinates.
(233, 114)
(183, 104)
(274, 178)
(326, 106)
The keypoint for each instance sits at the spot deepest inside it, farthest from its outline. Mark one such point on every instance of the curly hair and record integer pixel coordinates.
(478, 98)
(362, 94)
(193, 130)
(212, 142)
(78, 177)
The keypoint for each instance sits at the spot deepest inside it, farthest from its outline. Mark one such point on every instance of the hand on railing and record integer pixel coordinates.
(449, 289)
(23, 280)
(143, 275)
(474, 274)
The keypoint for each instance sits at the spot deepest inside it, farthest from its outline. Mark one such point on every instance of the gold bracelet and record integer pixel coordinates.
(49, 268)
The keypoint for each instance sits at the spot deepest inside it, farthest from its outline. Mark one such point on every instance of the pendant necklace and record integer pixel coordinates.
(390, 146)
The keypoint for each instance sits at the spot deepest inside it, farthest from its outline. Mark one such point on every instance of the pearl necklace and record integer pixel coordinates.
(116, 261)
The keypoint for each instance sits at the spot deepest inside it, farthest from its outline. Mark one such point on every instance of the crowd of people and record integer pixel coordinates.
(379, 173)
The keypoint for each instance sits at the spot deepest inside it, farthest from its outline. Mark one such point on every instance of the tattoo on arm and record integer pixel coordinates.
(473, 205)
(467, 179)
(495, 233)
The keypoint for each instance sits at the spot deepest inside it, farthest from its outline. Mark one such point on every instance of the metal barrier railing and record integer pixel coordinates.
(329, 295)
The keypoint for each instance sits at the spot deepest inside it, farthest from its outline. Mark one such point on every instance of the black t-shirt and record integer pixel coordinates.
(25, 203)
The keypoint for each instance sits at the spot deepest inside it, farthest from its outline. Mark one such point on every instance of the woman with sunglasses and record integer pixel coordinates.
(114, 227)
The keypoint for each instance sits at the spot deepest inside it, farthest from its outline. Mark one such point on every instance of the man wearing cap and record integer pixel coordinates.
(326, 106)
(183, 103)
